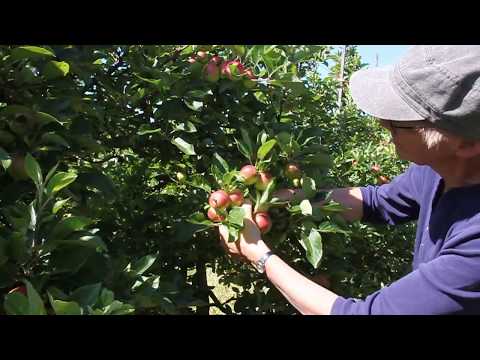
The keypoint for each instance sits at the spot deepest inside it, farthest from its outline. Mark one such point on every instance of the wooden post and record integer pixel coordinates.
(340, 79)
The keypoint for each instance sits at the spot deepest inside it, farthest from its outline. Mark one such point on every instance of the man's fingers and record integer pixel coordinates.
(247, 206)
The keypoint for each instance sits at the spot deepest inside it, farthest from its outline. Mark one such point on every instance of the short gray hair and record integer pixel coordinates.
(431, 136)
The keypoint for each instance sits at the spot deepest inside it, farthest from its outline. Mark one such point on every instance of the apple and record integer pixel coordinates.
(249, 82)
(263, 221)
(292, 171)
(232, 69)
(17, 167)
(219, 199)
(264, 178)
(376, 168)
(236, 197)
(212, 72)
(212, 215)
(249, 174)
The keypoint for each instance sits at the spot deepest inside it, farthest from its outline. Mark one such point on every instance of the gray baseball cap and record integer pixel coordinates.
(440, 84)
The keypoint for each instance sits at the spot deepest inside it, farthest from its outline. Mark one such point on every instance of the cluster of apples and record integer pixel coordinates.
(217, 67)
(220, 200)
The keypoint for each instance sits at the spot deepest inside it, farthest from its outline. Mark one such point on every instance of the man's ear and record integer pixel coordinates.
(468, 149)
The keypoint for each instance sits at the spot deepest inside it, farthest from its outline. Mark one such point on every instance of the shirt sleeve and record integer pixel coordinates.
(448, 284)
(395, 202)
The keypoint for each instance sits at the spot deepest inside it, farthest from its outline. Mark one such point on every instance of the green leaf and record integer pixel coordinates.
(247, 141)
(118, 308)
(333, 207)
(5, 159)
(106, 297)
(266, 148)
(59, 181)
(313, 246)
(184, 146)
(266, 195)
(92, 241)
(58, 205)
(30, 52)
(16, 304)
(44, 118)
(309, 187)
(222, 162)
(306, 207)
(6, 138)
(143, 264)
(33, 169)
(319, 159)
(199, 218)
(99, 181)
(51, 172)
(329, 227)
(86, 295)
(298, 88)
(186, 126)
(66, 307)
(33, 216)
(35, 302)
(69, 225)
(56, 69)
(236, 216)
(233, 234)
(52, 138)
(243, 149)
(145, 130)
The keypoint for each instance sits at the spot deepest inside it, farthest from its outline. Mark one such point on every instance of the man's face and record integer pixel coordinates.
(409, 144)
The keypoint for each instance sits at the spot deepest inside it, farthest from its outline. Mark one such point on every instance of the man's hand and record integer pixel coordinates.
(250, 246)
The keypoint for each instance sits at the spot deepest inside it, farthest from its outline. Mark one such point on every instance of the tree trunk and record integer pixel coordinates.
(202, 287)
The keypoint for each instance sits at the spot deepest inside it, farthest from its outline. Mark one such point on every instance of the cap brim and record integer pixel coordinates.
(374, 94)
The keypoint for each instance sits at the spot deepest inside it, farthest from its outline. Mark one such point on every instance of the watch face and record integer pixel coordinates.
(259, 267)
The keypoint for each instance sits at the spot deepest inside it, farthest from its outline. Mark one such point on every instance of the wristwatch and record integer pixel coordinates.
(260, 264)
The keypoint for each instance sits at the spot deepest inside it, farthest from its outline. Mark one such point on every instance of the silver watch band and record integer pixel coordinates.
(260, 264)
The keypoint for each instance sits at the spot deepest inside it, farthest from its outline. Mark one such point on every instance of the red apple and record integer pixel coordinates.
(249, 173)
(232, 69)
(212, 215)
(236, 197)
(264, 178)
(292, 171)
(212, 72)
(219, 199)
(263, 221)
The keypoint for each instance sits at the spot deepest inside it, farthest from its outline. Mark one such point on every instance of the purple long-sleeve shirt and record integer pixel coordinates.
(446, 265)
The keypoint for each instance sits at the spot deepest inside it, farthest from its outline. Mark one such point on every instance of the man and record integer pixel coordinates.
(430, 101)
